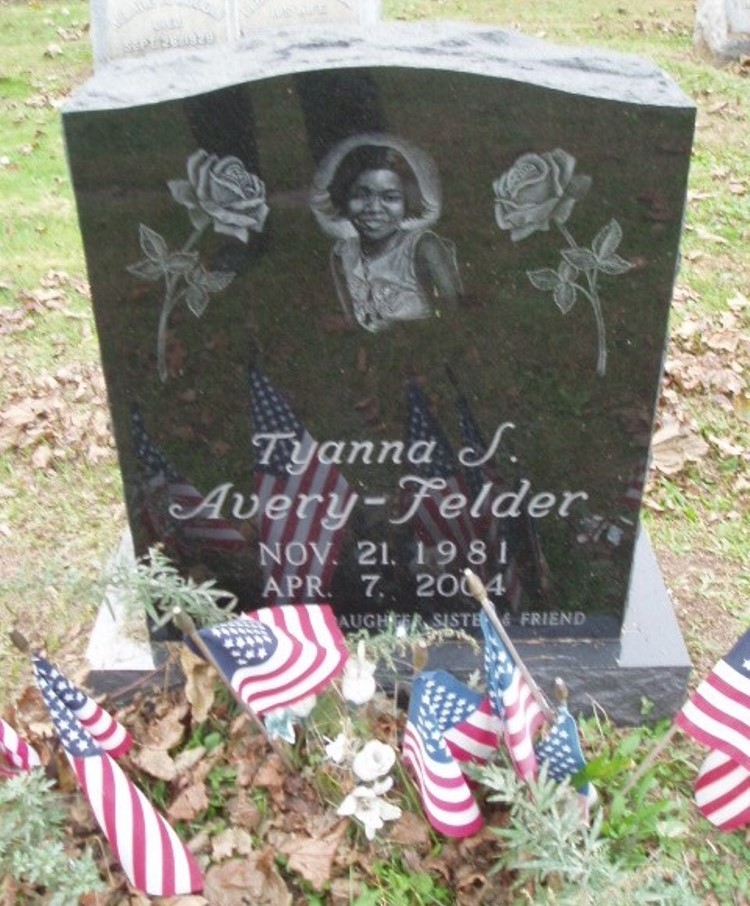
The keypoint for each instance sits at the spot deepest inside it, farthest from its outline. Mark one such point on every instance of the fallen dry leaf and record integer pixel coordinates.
(271, 775)
(674, 446)
(243, 812)
(200, 685)
(230, 841)
(189, 803)
(411, 830)
(156, 763)
(312, 857)
(250, 881)
(167, 731)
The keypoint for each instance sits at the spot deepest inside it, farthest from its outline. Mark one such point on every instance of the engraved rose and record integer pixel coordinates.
(218, 191)
(221, 191)
(537, 189)
(542, 189)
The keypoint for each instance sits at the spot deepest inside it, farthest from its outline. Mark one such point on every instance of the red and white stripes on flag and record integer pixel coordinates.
(718, 716)
(277, 656)
(15, 753)
(447, 798)
(476, 738)
(105, 730)
(722, 791)
(431, 522)
(513, 700)
(151, 854)
(174, 510)
(287, 468)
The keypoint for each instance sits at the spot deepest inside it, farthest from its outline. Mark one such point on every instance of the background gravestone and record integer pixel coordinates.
(722, 28)
(311, 403)
(132, 28)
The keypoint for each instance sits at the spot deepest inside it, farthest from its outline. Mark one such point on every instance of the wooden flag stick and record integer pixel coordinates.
(650, 759)
(478, 590)
(186, 626)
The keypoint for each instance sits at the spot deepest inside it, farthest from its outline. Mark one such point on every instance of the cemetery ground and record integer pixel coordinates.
(62, 515)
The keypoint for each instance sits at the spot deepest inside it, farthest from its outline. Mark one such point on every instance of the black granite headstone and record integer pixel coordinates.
(373, 309)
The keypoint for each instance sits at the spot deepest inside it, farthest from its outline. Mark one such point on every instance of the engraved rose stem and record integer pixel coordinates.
(171, 299)
(593, 296)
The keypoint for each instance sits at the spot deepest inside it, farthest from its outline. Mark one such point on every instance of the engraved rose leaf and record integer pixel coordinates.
(212, 281)
(197, 300)
(565, 297)
(561, 282)
(615, 265)
(607, 240)
(545, 278)
(152, 244)
(180, 262)
(604, 246)
(146, 269)
(583, 259)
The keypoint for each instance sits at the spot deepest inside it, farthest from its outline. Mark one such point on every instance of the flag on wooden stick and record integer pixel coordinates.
(15, 753)
(718, 716)
(514, 701)
(151, 854)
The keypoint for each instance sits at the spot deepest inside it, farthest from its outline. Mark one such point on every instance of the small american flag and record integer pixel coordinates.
(472, 729)
(277, 656)
(430, 524)
(513, 701)
(318, 484)
(163, 489)
(718, 716)
(561, 749)
(434, 711)
(151, 854)
(562, 753)
(103, 728)
(15, 753)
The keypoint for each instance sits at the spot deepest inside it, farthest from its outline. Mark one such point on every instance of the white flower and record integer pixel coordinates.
(339, 749)
(374, 760)
(369, 809)
(358, 682)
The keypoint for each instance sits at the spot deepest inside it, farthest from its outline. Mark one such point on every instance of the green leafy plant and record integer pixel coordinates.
(638, 820)
(154, 586)
(32, 842)
(397, 886)
(560, 859)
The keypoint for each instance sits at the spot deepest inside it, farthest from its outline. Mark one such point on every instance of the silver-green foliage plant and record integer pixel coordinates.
(155, 586)
(560, 859)
(32, 842)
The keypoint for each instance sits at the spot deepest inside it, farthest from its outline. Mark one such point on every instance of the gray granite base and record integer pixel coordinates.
(648, 663)
(639, 678)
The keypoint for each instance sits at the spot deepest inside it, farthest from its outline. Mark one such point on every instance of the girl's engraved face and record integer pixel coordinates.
(376, 204)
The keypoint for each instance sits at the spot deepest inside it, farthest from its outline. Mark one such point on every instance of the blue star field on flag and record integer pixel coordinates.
(240, 643)
(447, 799)
(561, 750)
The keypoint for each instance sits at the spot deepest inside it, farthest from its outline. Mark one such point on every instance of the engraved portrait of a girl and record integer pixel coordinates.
(379, 196)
